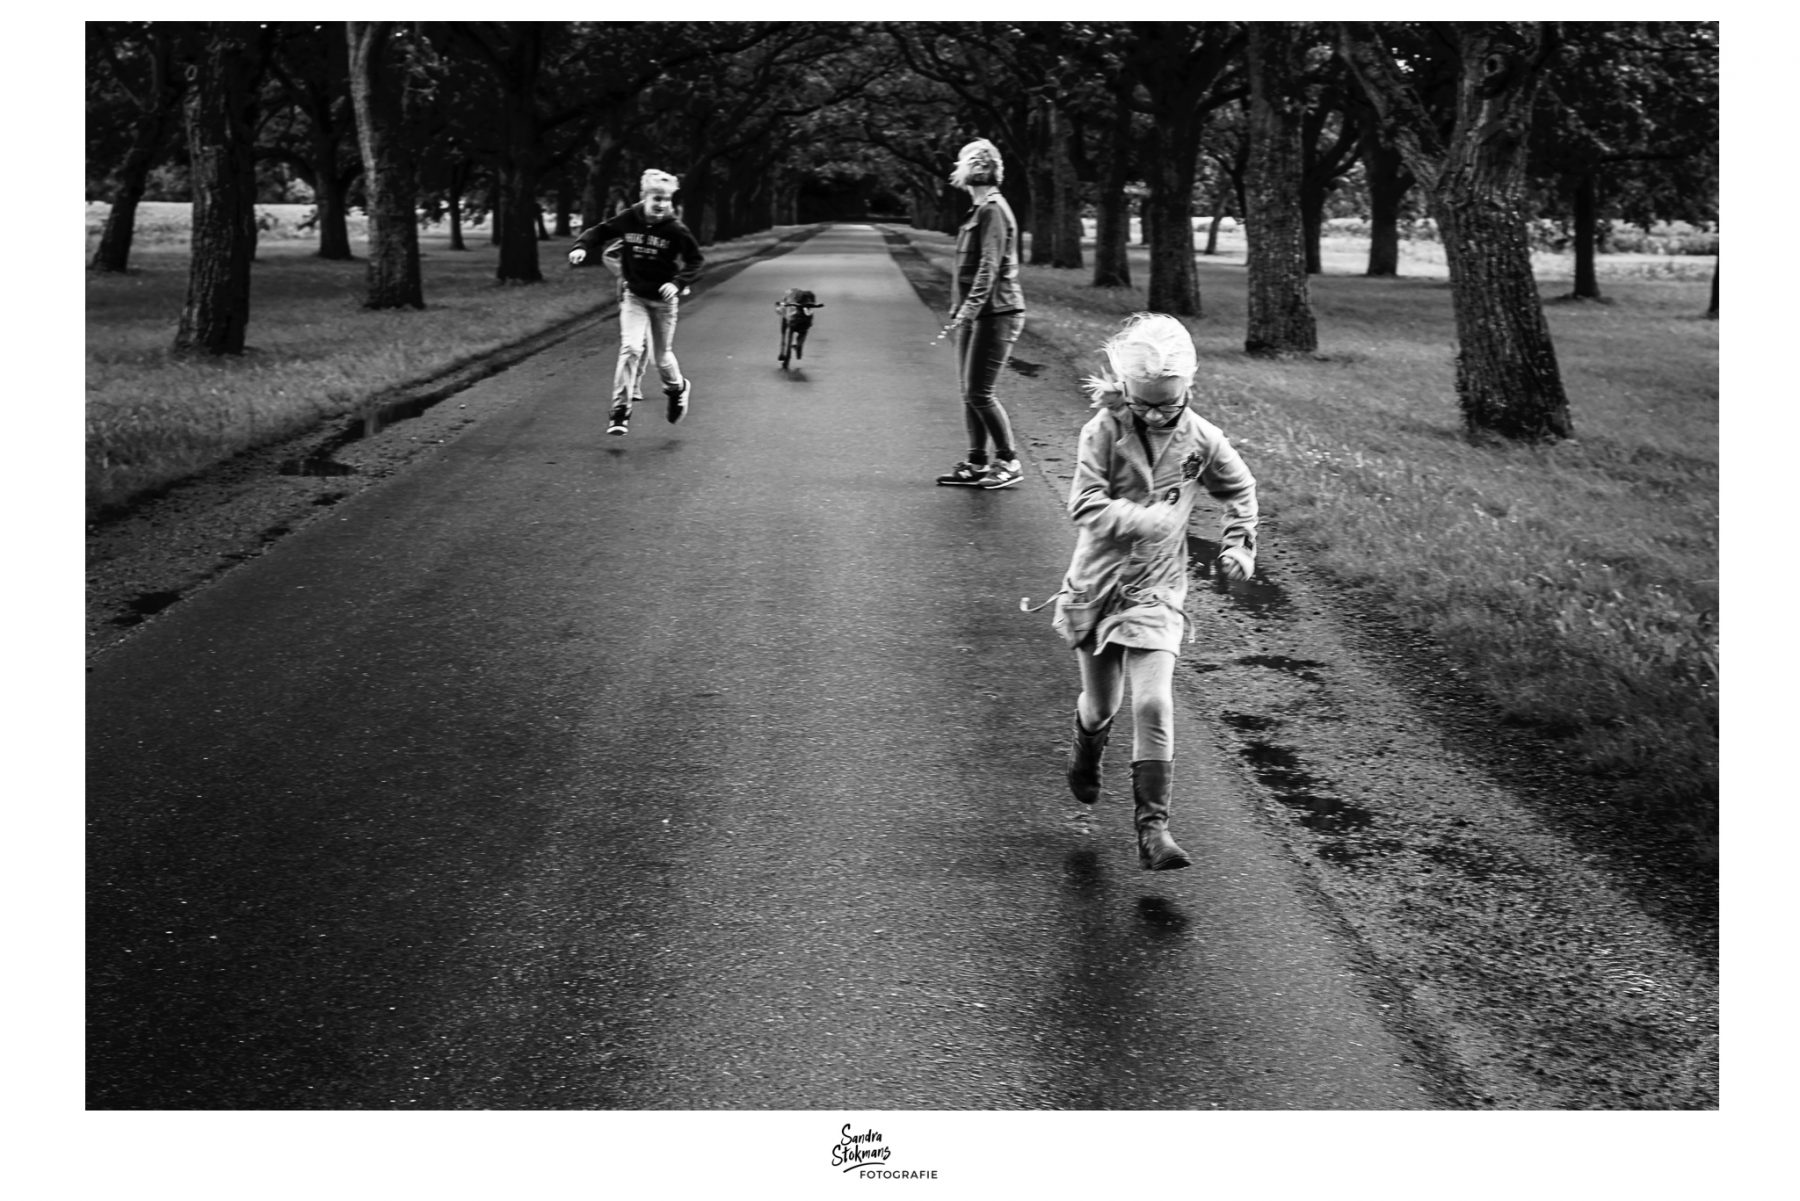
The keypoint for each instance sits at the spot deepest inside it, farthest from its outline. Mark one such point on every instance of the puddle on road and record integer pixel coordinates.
(1260, 596)
(1279, 769)
(1349, 852)
(369, 421)
(315, 465)
(1162, 917)
(145, 604)
(1081, 870)
(1475, 866)
(376, 418)
(1248, 721)
(1306, 669)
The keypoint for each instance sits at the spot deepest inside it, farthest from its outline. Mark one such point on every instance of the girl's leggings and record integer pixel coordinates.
(1152, 675)
(983, 346)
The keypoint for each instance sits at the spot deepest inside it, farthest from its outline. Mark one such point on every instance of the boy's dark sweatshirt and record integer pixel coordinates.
(664, 253)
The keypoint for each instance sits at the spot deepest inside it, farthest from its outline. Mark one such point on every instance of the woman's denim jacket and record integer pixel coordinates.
(987, 261)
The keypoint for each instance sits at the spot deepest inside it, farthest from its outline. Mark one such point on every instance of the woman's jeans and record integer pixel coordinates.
(639, 317)
(982, 348)
(1152, 675)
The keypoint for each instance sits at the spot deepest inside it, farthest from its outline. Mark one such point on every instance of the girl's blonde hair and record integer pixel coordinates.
(1147, 348)
(978, 165)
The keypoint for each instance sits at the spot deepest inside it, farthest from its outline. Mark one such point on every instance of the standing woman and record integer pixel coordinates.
(987, 315)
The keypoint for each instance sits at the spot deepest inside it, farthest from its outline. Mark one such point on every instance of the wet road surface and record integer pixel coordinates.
(710, 767)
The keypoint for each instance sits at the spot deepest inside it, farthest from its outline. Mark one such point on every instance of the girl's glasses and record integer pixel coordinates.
(1144, 406)
(1155, 396)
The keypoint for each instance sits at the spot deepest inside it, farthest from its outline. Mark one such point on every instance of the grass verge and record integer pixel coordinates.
(1575, 585)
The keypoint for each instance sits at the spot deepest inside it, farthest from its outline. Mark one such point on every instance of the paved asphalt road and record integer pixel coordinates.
(710, 767)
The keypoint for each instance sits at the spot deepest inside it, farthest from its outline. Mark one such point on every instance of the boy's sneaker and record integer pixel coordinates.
(678, 400)
(966, 475)
(618, 420)
(1003, 474)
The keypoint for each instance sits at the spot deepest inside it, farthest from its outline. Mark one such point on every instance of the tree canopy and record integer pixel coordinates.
(780, 122)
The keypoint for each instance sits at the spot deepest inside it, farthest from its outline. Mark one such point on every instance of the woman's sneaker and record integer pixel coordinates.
(1003, 474)
(966, 475)
(678, 400)
(618, 421)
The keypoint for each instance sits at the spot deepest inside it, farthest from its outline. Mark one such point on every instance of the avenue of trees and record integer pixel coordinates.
(1483, 133)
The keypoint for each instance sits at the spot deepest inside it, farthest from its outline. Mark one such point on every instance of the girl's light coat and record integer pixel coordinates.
(1127, 554)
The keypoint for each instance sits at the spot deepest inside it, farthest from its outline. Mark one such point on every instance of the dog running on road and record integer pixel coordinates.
(796, 308)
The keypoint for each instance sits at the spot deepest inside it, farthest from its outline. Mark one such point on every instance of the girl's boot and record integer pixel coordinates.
(1150, 788)
(1084, 760)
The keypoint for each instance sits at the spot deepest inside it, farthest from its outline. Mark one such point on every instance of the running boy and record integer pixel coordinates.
(1143, 460)
(660, 258)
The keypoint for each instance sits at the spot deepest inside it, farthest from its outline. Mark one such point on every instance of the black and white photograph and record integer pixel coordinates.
(690, 606)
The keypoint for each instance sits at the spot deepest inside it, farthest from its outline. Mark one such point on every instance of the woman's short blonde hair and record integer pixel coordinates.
(1153, 349)
(978, 165)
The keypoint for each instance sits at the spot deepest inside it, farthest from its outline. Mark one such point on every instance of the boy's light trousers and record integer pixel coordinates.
(638, 317)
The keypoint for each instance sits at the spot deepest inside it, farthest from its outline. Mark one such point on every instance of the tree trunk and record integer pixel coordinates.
(1221, 194)
(331, 195)
(1040, 180)
(565, 206)
(114, 251)
(378, 75)
(1280, 309)
(1388, 184)
(520, 173)
(601, 164)
(1174, 285)
(1507, 379)
(759, 202)
(1712, 309)
(1587, 282)
(725, 211)
(1313, 187)
(1312, 229)
(221, 140)
(1323, 165)
(1065, 196)
(593, 191)
(458, 177)
(697, 211)
(518, 225)
(149, 137)
(1112, 209)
